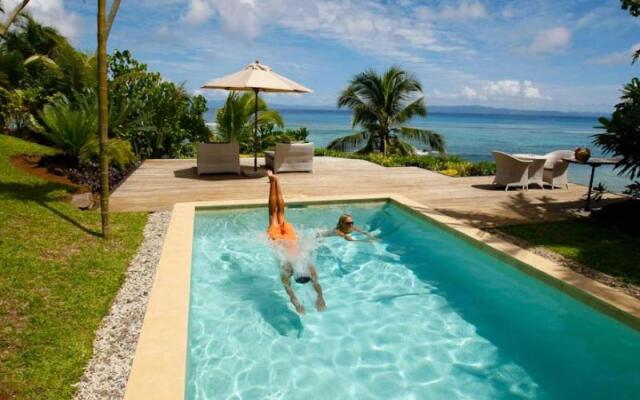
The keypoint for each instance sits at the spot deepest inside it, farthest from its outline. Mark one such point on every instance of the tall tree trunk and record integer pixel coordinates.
(385, 138)
(103, 117)
(4, 28)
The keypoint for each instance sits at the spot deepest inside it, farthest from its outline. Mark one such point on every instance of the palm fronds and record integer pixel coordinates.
(425, 136)
(235, 119)
(621, 136)
(68, 128)
(350, 142)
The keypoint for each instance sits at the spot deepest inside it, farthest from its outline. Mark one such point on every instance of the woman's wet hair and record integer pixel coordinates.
(342, 220)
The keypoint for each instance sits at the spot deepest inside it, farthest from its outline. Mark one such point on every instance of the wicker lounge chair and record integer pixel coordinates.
(218, 158)
(556, 170)
(511, 171)
(295, 157)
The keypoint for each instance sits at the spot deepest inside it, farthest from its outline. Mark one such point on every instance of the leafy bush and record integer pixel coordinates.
(449, 165)
(119, 153)
(37, 64)
(69, 128)
(15, 106)
(158, 118)
(633, 190)
(72, 126)
(235, 122)
(269, 137)
(622, 131)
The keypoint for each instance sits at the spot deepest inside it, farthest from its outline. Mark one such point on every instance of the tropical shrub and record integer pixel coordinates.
(633, 190)
(15, 109)
(269, 137)
(235, 122)
(72, 126)
(621, 136)
(68, 128)
(119, 153)
(161, 119)
(158, 118)
(26, 63)
(381, 106)
(449, 165)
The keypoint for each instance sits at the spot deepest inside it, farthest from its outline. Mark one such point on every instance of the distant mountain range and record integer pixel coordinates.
(510, 111)
(478, 110)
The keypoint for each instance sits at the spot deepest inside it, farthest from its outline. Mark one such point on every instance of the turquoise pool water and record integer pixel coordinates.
(418, 314)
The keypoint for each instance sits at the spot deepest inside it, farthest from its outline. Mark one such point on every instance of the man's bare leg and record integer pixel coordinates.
(279, 198)
(320, 304)
(286, 281)
(273, 200)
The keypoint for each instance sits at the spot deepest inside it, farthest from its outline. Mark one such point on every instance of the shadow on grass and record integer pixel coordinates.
(42, 194)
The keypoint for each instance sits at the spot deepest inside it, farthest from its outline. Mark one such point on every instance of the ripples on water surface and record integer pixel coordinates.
(418, 314)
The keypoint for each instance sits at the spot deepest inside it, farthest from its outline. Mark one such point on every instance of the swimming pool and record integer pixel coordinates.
(420, 313)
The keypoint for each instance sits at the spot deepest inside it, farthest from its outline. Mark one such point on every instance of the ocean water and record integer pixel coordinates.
(417, 314)
(474, 136)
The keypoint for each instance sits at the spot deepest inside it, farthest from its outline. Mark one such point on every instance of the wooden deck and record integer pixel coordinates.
(158, 184)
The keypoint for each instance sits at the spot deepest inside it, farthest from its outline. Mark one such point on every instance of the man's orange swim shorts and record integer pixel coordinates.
(284, 231)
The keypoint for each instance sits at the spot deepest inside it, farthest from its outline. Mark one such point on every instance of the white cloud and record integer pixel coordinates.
(501, 90)
(508, 12)
(616, 58)
(531, 92)
(200, 11)
(471, 94)
(551, 40)
(52, 13)
(465, 10)
(367, 27)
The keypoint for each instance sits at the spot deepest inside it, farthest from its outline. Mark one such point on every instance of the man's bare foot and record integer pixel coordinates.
(320, 305)
(299, 308)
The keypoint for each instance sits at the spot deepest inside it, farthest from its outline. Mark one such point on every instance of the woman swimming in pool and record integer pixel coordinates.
(283, 234)
(346, 227)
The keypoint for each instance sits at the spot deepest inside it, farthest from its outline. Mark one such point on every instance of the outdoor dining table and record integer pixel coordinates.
(593, 162)
(536, 169)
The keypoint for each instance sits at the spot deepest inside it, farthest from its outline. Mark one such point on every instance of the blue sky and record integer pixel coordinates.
(543, 54)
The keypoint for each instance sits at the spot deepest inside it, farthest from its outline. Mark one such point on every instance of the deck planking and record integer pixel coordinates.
(159, 184)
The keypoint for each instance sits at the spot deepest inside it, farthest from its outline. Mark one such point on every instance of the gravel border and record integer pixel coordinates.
(106, 374)
(628, 288)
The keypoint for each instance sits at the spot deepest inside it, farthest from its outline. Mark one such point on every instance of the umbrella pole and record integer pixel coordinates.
(255, 133)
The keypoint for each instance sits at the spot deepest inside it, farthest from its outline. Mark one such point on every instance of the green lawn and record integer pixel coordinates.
(57, 280)
(603, 249)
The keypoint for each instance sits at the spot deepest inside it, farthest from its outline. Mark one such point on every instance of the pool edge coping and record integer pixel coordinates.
(158, 370)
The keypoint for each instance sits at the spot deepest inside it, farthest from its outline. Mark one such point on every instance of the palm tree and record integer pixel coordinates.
(4, 26)
(32, 37)
(234, 121)
(621, 136)
(381, 105)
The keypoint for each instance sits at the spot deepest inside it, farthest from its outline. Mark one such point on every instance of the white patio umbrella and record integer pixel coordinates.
(258, 78)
